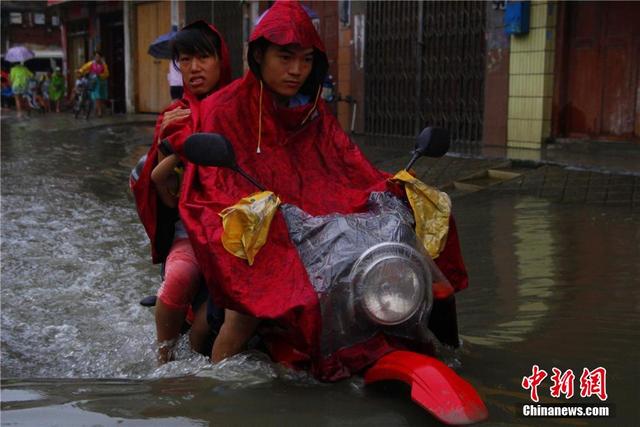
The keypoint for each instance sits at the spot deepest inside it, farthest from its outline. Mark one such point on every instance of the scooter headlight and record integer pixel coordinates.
(391, 282)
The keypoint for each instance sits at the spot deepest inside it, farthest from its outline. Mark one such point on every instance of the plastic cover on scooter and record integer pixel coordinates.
(369, 269)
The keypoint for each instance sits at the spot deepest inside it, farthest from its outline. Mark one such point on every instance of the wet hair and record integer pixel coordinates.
(196, 39)
(316, 77)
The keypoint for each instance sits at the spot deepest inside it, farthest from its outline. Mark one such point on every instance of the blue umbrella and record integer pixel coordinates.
(161, 47)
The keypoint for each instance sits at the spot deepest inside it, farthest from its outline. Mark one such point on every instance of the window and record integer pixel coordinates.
(38, 18)
(55, 21)
(15, 18)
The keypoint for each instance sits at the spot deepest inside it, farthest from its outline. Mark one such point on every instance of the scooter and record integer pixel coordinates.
(373, 276)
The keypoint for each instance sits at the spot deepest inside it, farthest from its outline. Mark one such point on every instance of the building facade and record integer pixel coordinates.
(573, 75)
(400, 66)
(90, 26)
(33, 25)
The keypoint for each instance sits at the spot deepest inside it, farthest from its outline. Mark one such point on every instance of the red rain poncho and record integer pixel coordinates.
(157, 219)
(313, 165)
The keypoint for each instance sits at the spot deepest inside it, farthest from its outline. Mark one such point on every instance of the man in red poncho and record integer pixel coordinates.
(285, 136)
(200, 54)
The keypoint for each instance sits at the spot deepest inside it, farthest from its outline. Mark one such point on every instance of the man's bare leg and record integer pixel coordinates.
(199, 333)
(19, 107)
(234, 334)
(168, 326)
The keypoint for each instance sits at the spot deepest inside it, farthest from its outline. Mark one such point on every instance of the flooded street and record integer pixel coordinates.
(551, 284)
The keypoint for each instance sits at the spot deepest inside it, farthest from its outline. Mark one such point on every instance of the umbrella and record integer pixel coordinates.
(18, 54)
(161, 47)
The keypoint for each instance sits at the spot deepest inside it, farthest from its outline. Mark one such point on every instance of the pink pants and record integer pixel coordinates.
(181, 276)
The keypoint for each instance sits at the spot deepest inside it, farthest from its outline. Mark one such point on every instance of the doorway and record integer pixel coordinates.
(153, 19)
(112, 36)
(601, 78)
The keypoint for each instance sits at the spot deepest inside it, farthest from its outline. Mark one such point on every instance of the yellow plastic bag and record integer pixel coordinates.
(431, 209)
(246, 224)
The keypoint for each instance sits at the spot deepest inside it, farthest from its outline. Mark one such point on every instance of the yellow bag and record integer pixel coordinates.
(431, 209)
(246, 224)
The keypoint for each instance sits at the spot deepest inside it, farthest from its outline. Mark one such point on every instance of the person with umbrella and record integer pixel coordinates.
(19, 77)
(99, 69)
(161, 48)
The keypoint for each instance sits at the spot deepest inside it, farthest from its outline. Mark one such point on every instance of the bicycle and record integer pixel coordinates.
(83, 103)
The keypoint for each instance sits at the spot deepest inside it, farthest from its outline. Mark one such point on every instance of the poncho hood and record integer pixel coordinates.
(284, 23)
(225, 62)
(189, 98)
(157, 219)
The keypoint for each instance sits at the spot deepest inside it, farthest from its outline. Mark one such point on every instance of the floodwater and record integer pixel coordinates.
(553, 285)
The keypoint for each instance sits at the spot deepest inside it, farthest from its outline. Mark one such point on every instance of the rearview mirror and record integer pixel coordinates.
(210, 149)
(213, 149)
(431, 142)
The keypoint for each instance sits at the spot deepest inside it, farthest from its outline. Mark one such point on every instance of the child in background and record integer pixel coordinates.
(57, 88)
(45, 81)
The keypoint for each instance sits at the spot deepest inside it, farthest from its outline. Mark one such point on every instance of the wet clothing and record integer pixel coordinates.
(181, 276)
(101, 70)
(99, 88)
(57, 86)
(19, 77)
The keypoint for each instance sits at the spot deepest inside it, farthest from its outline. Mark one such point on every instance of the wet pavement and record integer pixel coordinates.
(554, 281)
(600, 173)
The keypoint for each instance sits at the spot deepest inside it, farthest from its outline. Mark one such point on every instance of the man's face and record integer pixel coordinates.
(199, 72)
(285, 68)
